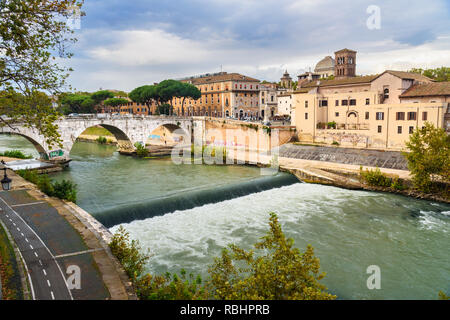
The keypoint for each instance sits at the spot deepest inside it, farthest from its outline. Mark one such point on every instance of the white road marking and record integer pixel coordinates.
(31, 247)
(14, 224)
(18, 229)
(40, 262)
(43, 270)
(48, 250)
(22, 234)
(53, 297)
(36, 254)
(26, 239)
(27, 204)
(48, 282)
(78, 253)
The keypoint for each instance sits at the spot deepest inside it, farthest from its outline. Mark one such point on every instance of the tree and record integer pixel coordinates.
(32, 110)
(279, 272)
(428, 156)
(32, 32)
(189, 91)
(115, 102)
(101, 96)
(77, 103)
(439, 74)
(144, 95)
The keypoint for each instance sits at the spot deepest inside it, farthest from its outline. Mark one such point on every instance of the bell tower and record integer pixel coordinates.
(345, 64)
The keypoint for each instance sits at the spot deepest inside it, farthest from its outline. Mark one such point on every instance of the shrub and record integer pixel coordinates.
(375, 178)
(45, 185)
(331, 125)
(66, 190)
(280, 272)
(171, 287)
(335, 143)
(128, 252)
(102, 140)
(429, 157)
(16, 154)
(141, 150)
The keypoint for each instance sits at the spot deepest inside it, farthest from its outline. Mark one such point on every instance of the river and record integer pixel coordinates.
(188, 213)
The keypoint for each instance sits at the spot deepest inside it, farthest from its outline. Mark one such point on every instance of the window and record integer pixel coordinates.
(353, 102)
(399, 129)
(263, 101)
(323, 103)
(344, 102)
(367, 101)
(400, 116)
(367, 115)
(380, 129)
(411, 130)
(386, 93)
(306, 116)
(337, 114)
(424, 116)
(337, 103)
(380, 115)
(306, 104)
(412, 115)
(271, 98)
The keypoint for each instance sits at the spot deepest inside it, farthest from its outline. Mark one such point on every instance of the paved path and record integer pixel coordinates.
(50, 246)
(47, 278)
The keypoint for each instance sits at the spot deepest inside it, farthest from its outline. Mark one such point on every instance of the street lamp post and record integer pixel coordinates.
(6, 181)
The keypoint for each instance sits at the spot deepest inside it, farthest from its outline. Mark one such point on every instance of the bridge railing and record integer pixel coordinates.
(108, 116)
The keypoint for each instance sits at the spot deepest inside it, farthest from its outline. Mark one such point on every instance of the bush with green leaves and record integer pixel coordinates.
(16, 154)
(102, 140)
(428, 157)
(375, 178)
(141, 150)
(65, 189)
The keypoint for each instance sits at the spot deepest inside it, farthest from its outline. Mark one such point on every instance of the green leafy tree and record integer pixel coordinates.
(438, 74)
(115, 102)
(32, 34)
(101, 96)
(429, 156)
(278, 272)
(129, 253)
(77, 103)
(189, 91)
(144, 95)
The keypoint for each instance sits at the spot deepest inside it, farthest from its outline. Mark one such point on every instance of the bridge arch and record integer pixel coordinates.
(33, 140)
(124, 143)
(168, 134)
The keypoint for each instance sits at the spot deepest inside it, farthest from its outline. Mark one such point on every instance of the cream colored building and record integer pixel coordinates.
(223, 95)
(378, 111)
(285, 104)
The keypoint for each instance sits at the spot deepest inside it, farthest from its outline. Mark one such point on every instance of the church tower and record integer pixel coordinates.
(345, 64)
(286, 81)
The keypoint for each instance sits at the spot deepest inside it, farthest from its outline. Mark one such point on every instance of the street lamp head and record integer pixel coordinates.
(6, 182)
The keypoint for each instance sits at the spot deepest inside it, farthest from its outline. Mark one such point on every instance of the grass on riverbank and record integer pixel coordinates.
(9, 272)
(98, 131)
(66, 190)
(16, 154)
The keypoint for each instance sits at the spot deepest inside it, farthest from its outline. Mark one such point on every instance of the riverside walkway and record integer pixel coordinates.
(63, 256)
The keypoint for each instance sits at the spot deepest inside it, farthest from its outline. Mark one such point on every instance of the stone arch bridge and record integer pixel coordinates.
(127, 130)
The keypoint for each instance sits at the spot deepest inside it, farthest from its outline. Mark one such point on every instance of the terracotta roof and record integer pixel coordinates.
(337, 82)
(428, 89)
(408, 75)
(221, 78)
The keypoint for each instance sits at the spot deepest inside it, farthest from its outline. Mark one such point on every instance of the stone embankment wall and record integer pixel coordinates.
(360, 157)
(245, 135)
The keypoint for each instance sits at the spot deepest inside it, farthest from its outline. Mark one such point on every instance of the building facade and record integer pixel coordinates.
(268, 100)
(223, 95)
(379, 111)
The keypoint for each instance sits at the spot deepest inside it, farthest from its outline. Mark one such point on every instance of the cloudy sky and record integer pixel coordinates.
(124, 44)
